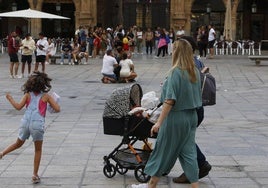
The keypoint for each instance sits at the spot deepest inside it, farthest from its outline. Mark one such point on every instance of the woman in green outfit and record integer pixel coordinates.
(176, 125)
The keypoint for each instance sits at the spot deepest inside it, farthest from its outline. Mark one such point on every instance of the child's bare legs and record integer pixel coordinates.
(13, 147)
(37, 156)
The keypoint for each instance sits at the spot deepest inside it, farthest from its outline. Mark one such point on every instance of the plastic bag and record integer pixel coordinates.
(56, 97)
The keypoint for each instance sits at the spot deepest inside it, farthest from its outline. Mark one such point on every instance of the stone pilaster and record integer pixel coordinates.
(177, 12)
(86, 12)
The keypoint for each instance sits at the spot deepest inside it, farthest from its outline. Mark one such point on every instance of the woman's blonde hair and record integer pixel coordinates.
(182, 58)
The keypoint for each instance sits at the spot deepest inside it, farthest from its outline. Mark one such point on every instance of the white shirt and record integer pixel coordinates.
(139, 34)
(180, 33)
(30, 44)
(125, 67)
(211, 34)
(108, 65)
(44, 43)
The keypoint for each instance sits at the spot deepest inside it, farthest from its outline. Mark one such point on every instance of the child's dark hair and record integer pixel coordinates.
(124, 56)
(37, 82)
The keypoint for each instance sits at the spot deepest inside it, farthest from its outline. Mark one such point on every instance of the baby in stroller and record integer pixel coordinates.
(124, 116)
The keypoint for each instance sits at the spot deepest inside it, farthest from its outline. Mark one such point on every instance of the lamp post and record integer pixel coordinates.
(14, 6)
(58, 7)
(254, 7)
(208, 12)
(58, 22)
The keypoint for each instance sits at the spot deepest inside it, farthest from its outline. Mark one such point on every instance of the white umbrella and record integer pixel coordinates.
(29, 13)
(228, 31)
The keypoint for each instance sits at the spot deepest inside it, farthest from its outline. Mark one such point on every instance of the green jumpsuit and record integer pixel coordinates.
(176, 136)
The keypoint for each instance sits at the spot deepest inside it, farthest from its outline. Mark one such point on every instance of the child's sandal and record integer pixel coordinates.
(36, 179)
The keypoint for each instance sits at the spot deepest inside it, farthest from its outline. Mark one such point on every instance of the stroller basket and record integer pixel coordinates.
(128, 160)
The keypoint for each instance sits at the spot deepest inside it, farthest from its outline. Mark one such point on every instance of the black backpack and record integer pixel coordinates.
(208, 84)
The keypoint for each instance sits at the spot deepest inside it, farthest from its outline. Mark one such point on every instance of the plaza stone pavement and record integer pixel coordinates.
(233, 135)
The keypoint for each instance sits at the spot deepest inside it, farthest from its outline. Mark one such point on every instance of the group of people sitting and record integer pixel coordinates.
(117, 68)
(74, 51)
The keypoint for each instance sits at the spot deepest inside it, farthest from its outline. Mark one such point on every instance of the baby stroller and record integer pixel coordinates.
(133, 128)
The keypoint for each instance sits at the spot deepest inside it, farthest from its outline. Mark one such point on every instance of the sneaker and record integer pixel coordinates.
(61, 63)
(18, 76)
(36, 179)
(11, 76)
(156, 57)
(143, 185)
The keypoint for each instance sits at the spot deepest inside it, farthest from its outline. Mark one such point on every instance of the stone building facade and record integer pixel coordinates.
(176, 13)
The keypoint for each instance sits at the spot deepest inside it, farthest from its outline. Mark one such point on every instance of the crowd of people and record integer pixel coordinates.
(92, 42)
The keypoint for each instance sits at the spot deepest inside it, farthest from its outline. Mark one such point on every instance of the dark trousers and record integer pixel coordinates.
(163, 49)
(202, 47)
(201, 159)
(149, 46)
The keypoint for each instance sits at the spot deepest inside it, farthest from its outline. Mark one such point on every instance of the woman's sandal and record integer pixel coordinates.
(1, 155)
(36, 179)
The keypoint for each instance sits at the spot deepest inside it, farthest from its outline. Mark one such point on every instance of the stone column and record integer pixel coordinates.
(86, 13)
(177, 12)
(35, 24)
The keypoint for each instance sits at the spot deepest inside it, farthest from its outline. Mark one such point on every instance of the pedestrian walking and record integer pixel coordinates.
(176, 125)
(35, 100)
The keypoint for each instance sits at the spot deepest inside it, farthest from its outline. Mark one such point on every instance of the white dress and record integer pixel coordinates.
(125, 67)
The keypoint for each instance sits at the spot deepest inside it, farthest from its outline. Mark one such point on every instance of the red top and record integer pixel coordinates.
(13, 45)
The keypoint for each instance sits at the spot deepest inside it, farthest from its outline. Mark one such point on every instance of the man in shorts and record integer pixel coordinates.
(27, 47)
(41, 52)
(13, 47)
(211, 40)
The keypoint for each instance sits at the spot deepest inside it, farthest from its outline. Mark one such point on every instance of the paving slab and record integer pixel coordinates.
(233, 135)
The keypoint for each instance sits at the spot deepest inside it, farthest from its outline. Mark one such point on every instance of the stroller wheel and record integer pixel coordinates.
(109, 170)
(121, 170)
(140, 175)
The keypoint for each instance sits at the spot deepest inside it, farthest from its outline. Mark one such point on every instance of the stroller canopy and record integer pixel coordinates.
(122, 100)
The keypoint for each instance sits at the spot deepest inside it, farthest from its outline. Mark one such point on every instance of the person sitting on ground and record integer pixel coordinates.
(83, 52)
(66, 51)
(50, 50)
(108, 65)
(127, 73)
